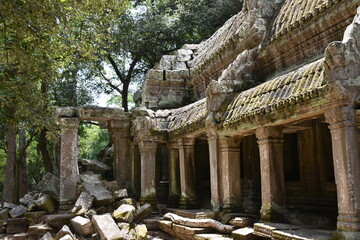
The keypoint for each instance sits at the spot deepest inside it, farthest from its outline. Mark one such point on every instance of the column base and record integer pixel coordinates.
(150, 199)
(173, 201)
(188, 202)
(346, 235)
(274, 213)
(231, 207)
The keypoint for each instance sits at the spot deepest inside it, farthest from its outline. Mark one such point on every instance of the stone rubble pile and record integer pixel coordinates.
(102, 211)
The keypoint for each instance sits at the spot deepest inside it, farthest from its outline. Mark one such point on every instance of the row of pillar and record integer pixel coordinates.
(224, 153)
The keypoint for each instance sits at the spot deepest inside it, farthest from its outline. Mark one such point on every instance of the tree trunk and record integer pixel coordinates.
(23, 169)
(42, 146)
(124, 96)
(9, 183)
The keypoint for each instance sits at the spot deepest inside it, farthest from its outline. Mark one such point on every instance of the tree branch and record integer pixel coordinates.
(117, 71)
(113, 86)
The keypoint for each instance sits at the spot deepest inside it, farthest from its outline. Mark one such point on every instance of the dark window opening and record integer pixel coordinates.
(291, 158)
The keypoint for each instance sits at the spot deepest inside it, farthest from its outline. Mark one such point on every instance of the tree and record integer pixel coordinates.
(40, 40)
(150, 29)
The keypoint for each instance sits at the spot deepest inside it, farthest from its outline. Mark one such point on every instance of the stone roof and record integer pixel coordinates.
(185, 118)
(302, 84)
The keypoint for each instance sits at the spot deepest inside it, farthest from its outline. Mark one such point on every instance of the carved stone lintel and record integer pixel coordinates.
(69, 123)
(187, 142)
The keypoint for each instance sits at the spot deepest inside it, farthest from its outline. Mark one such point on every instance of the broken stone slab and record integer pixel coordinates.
(83, 203)
(39, 230)
(302, 234)
(141, 232)
(45, 203)
(17, 225)
(111, 186)
(122, 193)
(57, 220)
(243, 234)
(143, 212)
(47, 236)
(166, 226)
(9, 205)
(82, 225)
(106, 227)
(27, 199)
(211, 236)
(125, 213)
(4, 214)
(266, 229)
(67, 237)
(95, 166)
(17, 211)
(241, 222)
(180, 229)
(151, 223)
(65, 230)
(124, 227)
(50, 184)
(35, 217)
(20, 236)
(90, 178)
(100, 193)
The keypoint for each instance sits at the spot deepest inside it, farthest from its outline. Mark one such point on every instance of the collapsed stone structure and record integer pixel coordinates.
(263, 117)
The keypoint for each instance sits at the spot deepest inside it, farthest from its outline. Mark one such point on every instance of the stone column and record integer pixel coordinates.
(270, 140)
(148, 171)
(346, 168)
(214, 168)
(174, 174)
(120, 135)
(230, 173)
(68, 162)
(188, 197)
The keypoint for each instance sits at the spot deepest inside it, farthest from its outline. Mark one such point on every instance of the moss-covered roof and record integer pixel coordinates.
(295, 13)
(302, 84)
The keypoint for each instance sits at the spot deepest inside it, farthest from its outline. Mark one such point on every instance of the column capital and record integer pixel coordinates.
(69, 123)
(227, 142)
(186, 141)
(173, 145)
(339, 117)
(269, 133)
(118, 124)
(147, 145)
(211, 134)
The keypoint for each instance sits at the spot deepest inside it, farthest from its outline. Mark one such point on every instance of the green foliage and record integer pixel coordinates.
(35, 163)
(92, 141)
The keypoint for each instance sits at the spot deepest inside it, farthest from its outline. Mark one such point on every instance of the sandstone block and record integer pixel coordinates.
(83, 203)
(111, 186)
(106, 227)
(100, 193)
(143, 212)
(27, 199)
(50, 184)
(47, 236)
(211, 236)
(155, 75)
(177, 65)
(35, 217)
(17, 225)
(20, 236)
(141, 232)
(91, 178)
(96, 166)
(122, 193)
(45, 203)
(125, 213)
(57, 220)
(129, 201)
(17, 211)
(4, 214)
(9, 205)
(243, 234)
(124, 227)
(67, 237)
(65, 230)
(39, 230)
(81, 225)
(183, 55)
(166, 226)
(241, 222)
(177, 75)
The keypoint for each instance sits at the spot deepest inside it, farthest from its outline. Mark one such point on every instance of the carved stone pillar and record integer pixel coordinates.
(230, 173)
(148, 172)
(174, 175)
(270, 140)
(120, 135)
(346, 168)
(188, 197)
(68, 162)
(214, 168)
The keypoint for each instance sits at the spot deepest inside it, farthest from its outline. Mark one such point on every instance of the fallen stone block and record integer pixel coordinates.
(17, 211)
(106, 227)
(243, 234)
(27, 199)
(4, 214)
(211, 236)
(129, 201)
(35, 217)
(241, 222)
(20, 236)
(166, 226)
(95, 166)
(111, 186)
(50, 184)
(67, 237)
(83, 203)
(17, 225)
(180, 229)
(57, 220)
(102, 196)
(65, 230)
(102, 210)
(82, 225)
(125, 213)
(122, 193)
(124, 227)
(47, 236)
(39, 230)
(91, 178)
(45, 203)
(141, 232)
(151, 223)
(143, 212)
(9, 205)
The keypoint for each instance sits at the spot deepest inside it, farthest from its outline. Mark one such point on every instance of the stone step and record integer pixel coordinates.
(151, 223)
(193, 213)
(266, 229)
(243, 234)
(212, 236)
(242, 222)
(302, 234)
(180, 231)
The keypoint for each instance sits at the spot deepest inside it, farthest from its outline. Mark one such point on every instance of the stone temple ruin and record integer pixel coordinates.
(262, 119)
